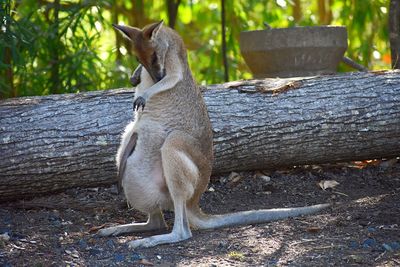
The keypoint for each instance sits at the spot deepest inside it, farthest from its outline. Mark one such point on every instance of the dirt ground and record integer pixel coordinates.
(363, 230)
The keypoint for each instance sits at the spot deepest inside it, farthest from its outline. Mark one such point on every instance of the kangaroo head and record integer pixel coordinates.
(150, 46)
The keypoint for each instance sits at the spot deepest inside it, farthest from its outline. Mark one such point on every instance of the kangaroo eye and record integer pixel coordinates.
(153, 59)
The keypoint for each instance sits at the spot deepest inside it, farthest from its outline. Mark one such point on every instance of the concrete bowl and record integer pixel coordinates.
(293, 52)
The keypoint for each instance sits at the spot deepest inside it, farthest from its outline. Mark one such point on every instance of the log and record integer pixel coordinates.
(55, 142)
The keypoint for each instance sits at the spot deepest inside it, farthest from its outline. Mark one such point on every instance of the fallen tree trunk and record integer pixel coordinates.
(60, 141)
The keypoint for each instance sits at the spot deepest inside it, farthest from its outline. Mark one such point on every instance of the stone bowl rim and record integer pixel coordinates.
(297, 28)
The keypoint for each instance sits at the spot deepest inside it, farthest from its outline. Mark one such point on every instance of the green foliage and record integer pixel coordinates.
(367, 27)
(60, 46)
(55, 54)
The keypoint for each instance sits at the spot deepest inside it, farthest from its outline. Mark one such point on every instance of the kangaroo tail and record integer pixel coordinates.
(204, 221)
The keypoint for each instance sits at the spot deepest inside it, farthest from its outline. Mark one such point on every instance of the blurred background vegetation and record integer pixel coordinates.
(59, 46)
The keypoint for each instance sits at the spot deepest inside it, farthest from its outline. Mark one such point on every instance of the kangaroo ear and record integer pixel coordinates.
(128, 32)
(150, 32)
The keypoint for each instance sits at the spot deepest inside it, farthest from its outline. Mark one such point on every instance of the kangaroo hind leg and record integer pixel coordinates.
(154, 222)
(181, 175)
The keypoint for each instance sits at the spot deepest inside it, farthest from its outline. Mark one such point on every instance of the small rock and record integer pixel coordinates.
(136, 256)
(327, 184)
(119, 257)
(263, 177)
(211, 189)
(355, 258)
(369, 243)
(4, 237)
(74, 253)
(391, 246)
(266, 178)
(110, 243)
(353, 244)
(82, 244)
(158, 257)
(95, 252)
(395, 245)
(387, 247)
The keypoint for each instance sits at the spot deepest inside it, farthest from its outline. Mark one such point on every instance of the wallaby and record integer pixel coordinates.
(166, 153)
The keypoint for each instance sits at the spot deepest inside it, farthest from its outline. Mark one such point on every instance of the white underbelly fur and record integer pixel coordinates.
(143, 181)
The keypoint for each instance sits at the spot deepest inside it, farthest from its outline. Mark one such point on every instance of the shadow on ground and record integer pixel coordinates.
(362, 230)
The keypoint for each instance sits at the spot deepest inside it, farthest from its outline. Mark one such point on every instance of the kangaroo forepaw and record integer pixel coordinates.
(139, 102)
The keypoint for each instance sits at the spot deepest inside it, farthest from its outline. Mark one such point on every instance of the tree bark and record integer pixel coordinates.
(325, 12)
(56, 142)
(172, 10)
(54, 46)
(10, 90)
(297, 12)
(223, 46)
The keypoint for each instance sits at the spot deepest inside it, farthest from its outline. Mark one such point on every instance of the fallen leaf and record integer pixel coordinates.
(325, 184)
(236, 255)
(365, 163)
(313, 229)
(146, 262)
(233, 179)
(17, 247)
(96, 228)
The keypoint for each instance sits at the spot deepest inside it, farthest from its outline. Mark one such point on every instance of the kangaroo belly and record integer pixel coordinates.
(145, 188)
(143, 181)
